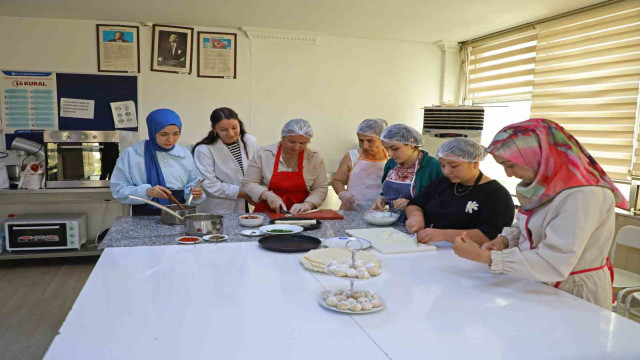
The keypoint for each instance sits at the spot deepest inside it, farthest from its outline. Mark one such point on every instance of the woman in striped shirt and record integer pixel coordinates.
(222, 157)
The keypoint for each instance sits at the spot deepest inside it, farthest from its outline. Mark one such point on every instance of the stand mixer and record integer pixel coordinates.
(22, 151)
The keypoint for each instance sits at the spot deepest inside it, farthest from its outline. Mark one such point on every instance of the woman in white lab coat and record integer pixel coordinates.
(222, 157)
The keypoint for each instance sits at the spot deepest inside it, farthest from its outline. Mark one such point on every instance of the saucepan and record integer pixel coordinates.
(169, 219)
(194, 224)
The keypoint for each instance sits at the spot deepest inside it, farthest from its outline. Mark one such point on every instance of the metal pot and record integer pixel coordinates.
(202, 224)
(170, 219)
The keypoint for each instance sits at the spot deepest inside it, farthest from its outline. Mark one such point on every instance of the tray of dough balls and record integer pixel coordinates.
(356, 302)
(338, 262)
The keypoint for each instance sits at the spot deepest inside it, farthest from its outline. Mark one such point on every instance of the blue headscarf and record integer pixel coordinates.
(156, 121)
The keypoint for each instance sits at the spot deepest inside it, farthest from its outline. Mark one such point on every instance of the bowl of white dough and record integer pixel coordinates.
(251, 220)
(381, 218)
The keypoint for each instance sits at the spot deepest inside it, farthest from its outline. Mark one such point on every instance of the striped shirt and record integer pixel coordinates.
(234, 147)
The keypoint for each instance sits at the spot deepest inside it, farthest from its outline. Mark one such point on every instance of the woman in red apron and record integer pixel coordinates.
(287, 176)
(565, 226)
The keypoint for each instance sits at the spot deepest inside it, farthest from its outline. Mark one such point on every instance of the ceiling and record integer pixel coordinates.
(411, 20)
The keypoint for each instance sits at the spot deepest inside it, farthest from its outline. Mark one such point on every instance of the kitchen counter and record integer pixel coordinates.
(149, 231)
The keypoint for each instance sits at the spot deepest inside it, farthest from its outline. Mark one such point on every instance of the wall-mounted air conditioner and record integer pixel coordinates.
(443, 123)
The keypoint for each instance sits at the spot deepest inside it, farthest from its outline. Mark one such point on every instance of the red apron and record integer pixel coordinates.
(289, 185)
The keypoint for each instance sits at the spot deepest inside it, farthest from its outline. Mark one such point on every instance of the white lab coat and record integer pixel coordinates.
(572, 232)
(222, 175)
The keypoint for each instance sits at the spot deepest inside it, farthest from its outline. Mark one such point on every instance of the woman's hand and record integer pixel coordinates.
(274, 201)
(498, 244)
(159, 192)
(300, 208)
(379, 204)
(466, 248)
(428, 235)
(196, 192)
(400, 204)
(415, 223)
(347, 198)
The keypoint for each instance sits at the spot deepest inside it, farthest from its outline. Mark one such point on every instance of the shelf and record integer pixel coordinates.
(42, 254)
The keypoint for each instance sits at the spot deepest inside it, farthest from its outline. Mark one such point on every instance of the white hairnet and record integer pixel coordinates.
(297, 127)
(461, 149)
(372, 127)
(403, 134)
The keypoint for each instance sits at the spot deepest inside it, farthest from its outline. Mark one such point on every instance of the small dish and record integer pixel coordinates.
(251, 220)
(281, 229)
(252, 232)
(188, 240)
(215, 237)
(347, 311)
(381, 218)
(341, 242)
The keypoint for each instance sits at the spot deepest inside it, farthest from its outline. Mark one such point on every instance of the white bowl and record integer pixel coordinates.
(381, 218)
(251, 220)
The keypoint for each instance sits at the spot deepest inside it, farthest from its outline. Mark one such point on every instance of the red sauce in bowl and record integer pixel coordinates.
(188, 239)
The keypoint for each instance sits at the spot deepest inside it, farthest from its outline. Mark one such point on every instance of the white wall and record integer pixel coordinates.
(334, 84)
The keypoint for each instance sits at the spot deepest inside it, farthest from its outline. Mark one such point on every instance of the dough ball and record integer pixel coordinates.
(363, 274)
(343, 305)
(331, 301)
(366, 306)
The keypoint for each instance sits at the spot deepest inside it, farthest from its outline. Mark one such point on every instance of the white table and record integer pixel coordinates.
(237, 301)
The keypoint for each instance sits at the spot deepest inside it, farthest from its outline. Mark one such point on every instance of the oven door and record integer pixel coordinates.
(77, 164)
(37, 236)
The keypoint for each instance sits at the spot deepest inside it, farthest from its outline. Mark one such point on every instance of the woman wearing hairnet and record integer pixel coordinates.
(408, 171)
(465, 200)
(287, 175)
(361, 169)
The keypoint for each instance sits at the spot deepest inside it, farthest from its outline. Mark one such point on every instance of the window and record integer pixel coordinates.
(580, 70)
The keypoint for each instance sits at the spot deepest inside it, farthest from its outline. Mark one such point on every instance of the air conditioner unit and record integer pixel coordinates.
(444, 123)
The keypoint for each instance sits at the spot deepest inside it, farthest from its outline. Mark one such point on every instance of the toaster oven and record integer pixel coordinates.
(45, 232)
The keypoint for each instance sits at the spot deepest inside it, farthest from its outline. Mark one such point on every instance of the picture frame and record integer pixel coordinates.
(118, 48)
(217, 54)
(171, 49)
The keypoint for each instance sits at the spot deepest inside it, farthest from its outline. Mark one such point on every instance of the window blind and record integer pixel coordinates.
(586, 76)
(500, 68)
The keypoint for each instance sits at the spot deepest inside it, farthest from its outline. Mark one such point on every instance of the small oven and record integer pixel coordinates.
(45, 232)
(77, 159)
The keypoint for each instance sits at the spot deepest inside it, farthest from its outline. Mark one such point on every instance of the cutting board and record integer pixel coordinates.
(390, 241)
(324, 214)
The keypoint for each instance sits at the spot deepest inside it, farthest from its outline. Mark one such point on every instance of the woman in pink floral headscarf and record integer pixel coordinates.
(565, 226)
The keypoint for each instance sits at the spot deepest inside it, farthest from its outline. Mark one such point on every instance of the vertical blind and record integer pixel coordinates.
(586, 75)
(581, 70)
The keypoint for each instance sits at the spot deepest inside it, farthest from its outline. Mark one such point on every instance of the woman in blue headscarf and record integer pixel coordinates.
(154, 168)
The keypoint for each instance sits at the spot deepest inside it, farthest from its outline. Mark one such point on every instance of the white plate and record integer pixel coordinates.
(215, 237)
(251, 233)
(341, 242)
(321, 301)
(291, 228)
(308, 266)
(189, 242)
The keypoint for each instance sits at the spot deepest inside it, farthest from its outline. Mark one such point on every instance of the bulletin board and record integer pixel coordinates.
(103, 89)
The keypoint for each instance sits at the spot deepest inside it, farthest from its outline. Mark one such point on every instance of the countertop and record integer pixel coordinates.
(149, 231)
